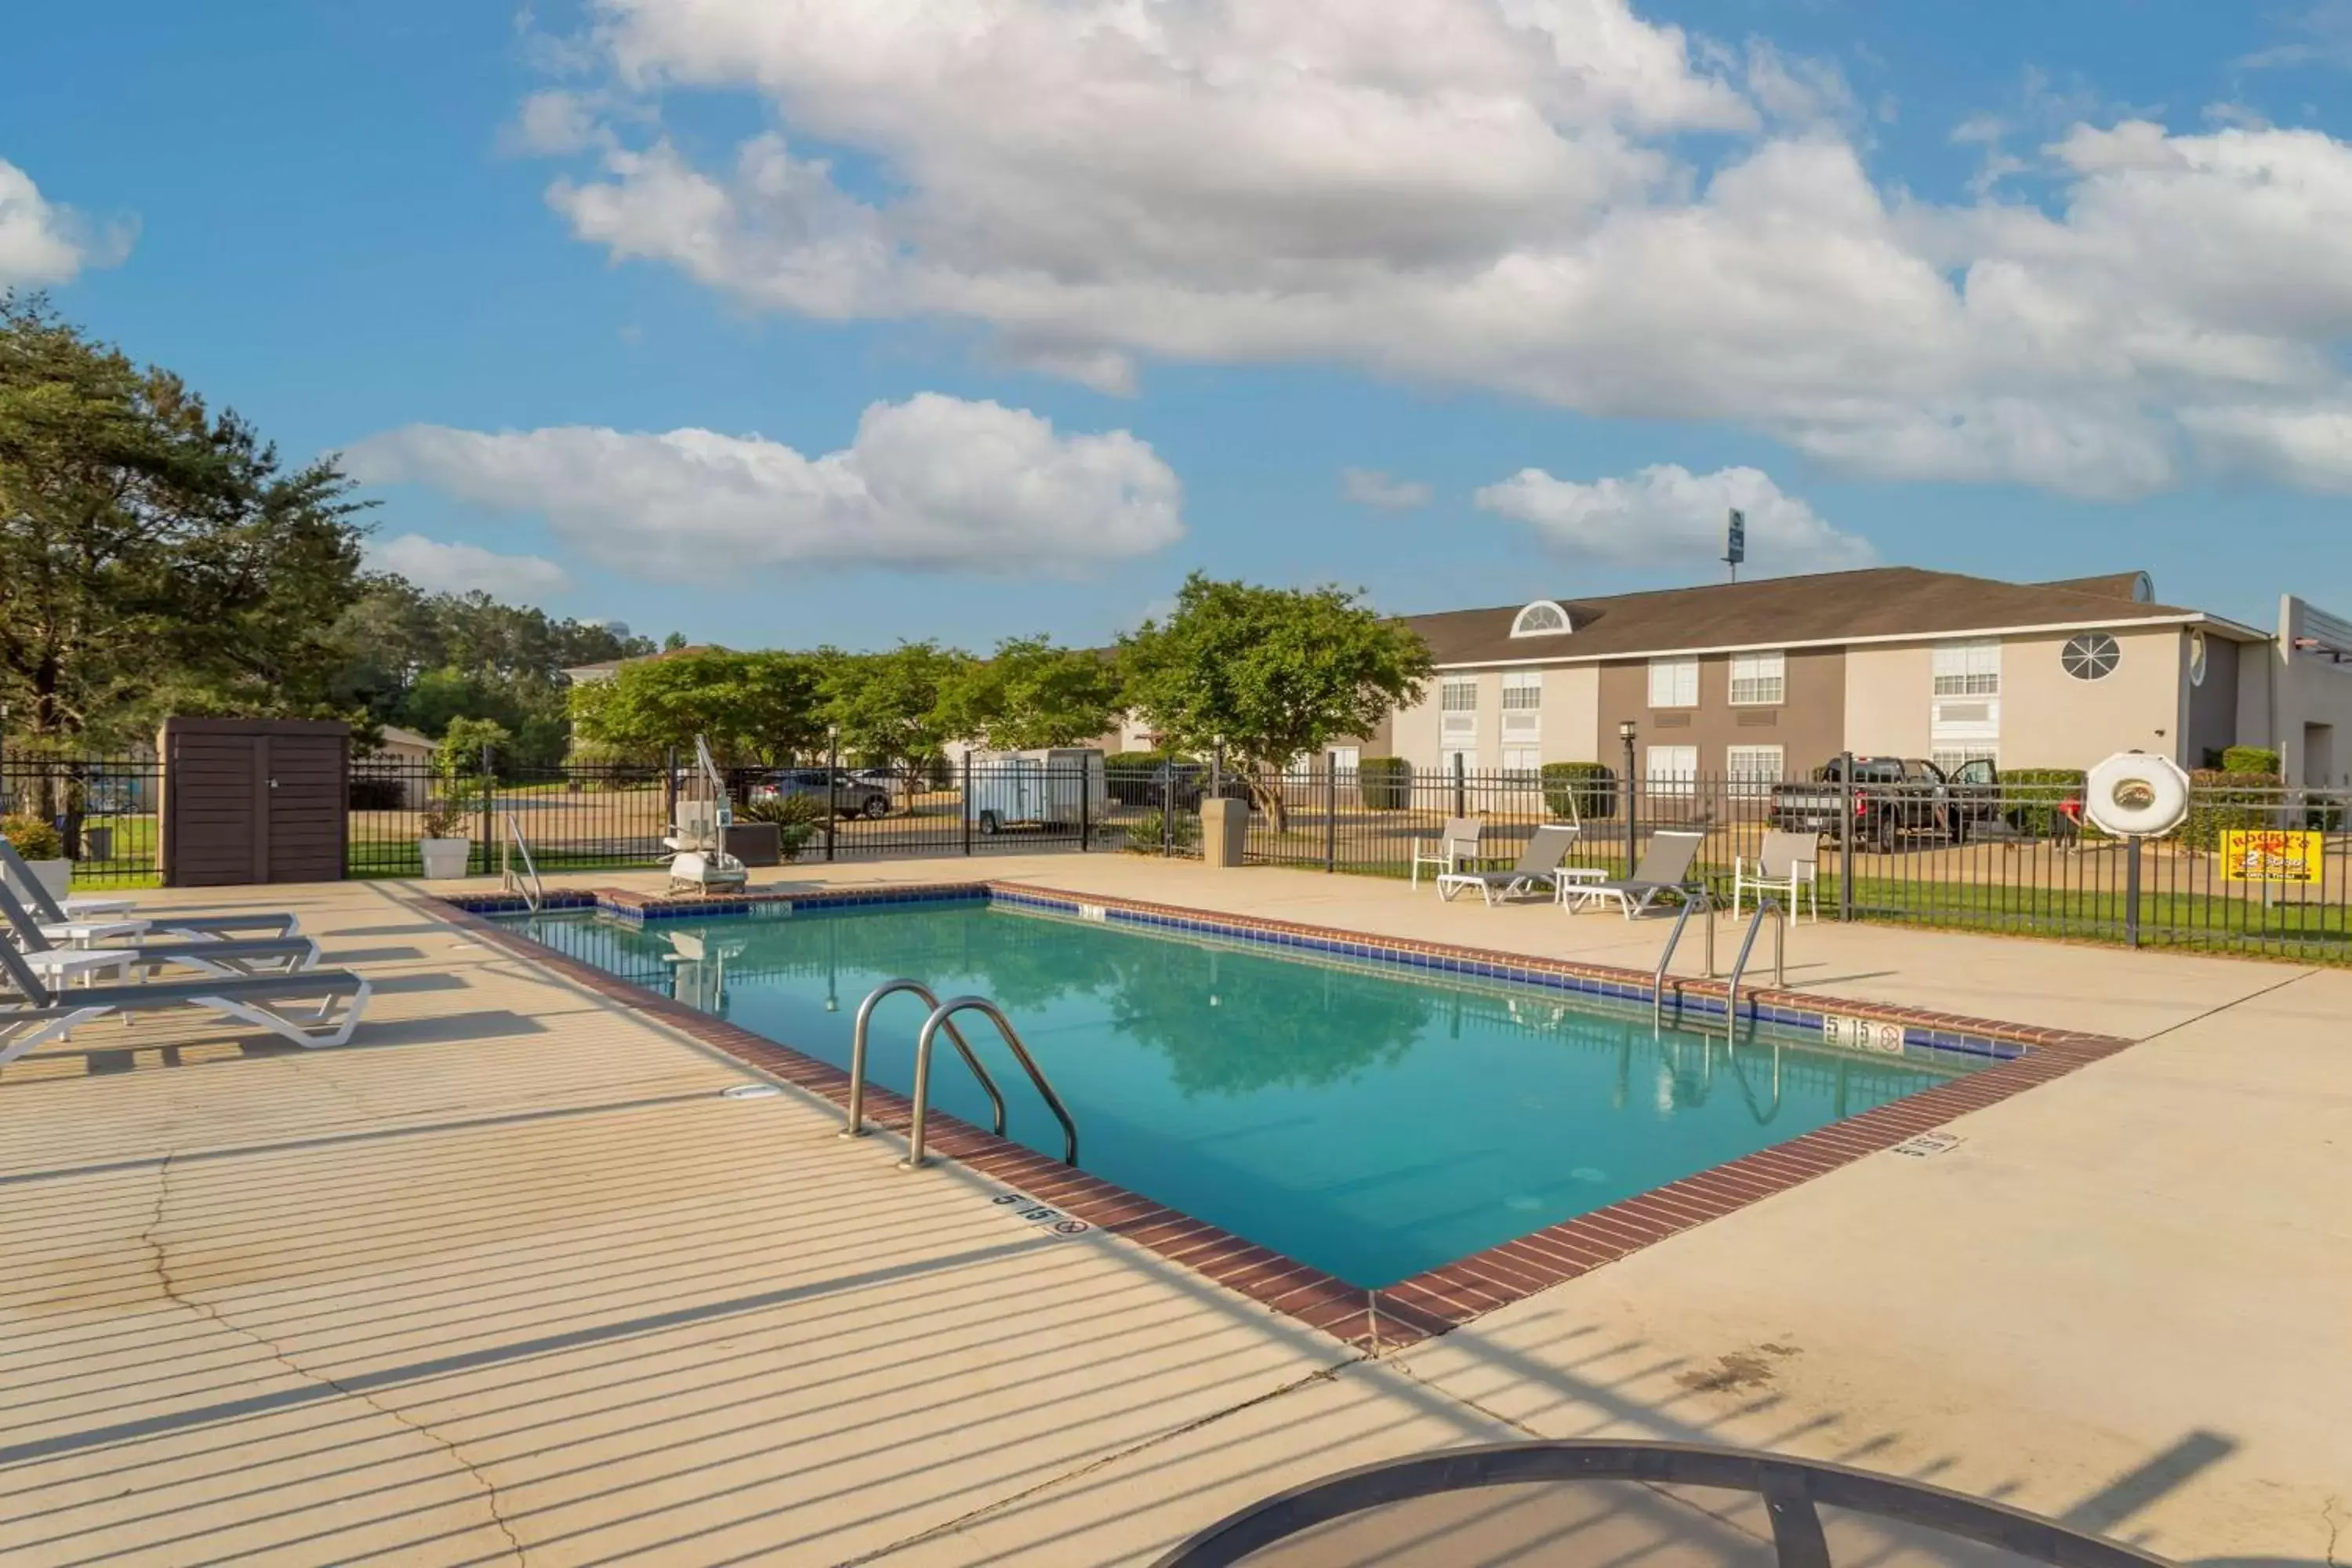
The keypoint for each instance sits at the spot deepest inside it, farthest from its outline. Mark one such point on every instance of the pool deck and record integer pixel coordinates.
(507, 1279)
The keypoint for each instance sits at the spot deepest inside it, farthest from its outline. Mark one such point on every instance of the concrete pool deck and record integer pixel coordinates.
(507, 1279)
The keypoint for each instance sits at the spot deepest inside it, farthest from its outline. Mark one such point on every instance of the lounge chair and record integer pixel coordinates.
(207, 955)
(1538, 868)
(1664, 868)
(259, 923)
(1787, 862)
(1455, 844)
(332, 1002)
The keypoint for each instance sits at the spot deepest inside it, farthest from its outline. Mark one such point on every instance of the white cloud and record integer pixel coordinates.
(1666, 515)
(41, 242)
(931, 484)
(2310, 448)
(1370, 486)
(557, 122)
(1494, 193)
(453, 568)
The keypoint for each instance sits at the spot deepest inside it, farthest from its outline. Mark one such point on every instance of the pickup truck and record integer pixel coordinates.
(1892, 799)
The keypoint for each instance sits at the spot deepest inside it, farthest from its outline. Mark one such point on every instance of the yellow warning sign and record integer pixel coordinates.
(2262, 855)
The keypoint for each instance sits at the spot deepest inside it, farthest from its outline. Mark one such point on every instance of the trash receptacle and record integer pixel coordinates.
(1224, 832)
(98, 843)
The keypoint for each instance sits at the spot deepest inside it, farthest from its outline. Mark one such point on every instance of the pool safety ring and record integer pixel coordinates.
(2135, 796)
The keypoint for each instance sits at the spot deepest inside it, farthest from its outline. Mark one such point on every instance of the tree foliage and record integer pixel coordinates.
(887, 705)
(1269, 674)
(756, 708)
(1030, 694)
(155, 556)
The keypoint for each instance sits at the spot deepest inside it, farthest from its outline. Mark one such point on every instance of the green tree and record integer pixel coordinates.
(886, 705)
(1271, 673)
(1030, 694)
(155, 556)
(762, 707)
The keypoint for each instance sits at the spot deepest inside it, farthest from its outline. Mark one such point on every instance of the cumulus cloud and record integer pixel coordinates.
(1666, 515)
(2311, 447)
(1370, 486)
(455, 568)
(41, 242)
(935, 483)
(1497, 194)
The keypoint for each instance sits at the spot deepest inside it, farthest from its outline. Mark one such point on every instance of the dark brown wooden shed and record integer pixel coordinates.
(253, 800)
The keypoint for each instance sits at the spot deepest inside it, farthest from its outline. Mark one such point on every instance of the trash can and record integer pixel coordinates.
(98, 843)
(1224, 832)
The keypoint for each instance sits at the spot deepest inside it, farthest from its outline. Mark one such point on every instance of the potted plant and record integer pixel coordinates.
(445, 847)
(44, 850)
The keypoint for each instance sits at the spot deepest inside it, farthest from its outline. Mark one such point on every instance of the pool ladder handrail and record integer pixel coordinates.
(1695, 898)
(1765, 904)
(855, 1127)
(534, 893)
(943, 1019)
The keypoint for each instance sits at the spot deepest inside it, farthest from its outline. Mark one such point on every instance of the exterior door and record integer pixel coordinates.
(250, 801)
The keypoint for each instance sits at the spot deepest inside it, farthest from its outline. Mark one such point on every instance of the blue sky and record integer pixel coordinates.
(341, 220)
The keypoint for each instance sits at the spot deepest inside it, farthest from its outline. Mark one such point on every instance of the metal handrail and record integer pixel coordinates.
(1696, 898)
(535, 893)
(940, 1020)
(1794, 1492)
(1764, 903)
(855, 1126)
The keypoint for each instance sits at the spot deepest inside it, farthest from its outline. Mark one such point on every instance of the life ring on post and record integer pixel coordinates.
(2135, 796)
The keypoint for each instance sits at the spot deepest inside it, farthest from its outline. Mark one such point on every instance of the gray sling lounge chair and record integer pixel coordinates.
(314, 1007)
(206, 955)
(1538, 870)
(1664, 868)
(264, 923)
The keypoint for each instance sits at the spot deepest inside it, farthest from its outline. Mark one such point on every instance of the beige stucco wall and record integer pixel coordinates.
(1413, 731)
(1571, 714)
(2050, 720)
(1889, 702)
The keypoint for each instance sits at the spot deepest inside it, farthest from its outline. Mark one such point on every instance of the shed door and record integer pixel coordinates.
(256, 808)
(304, 794)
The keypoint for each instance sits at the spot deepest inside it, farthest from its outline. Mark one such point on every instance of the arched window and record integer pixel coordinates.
(1543, 618)
(2091, 657)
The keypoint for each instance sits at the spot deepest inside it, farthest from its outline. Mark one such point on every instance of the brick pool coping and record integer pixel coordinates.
(1426, 1304)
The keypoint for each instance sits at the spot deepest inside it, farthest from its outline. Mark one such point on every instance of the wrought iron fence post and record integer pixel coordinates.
(490, 788)
(669, 791)
(1330, 811)
(1168, 809)
(1085, 798)
(832, 789)
(1846, 836)
(1461, 794)
(2131, 890)
(965, 795)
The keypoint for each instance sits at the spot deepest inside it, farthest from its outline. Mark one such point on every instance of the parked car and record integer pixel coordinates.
(1892, 799)
(852, 796)
(1187, 784)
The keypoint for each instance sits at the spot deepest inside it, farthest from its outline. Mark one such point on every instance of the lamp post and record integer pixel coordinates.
(1625, 733)
(832, 785)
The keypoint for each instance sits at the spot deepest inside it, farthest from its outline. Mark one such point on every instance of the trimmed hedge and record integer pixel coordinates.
(2036, 793)
(1580, 789)
(1385, 783)
(2222, 801)
(2251, 760)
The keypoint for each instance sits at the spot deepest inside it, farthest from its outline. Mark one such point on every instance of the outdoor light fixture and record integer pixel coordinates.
(1625, 731)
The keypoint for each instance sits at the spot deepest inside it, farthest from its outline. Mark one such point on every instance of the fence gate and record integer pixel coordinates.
(253, 800)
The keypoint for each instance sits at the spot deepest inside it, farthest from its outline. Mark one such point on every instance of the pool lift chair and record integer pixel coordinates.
(701, 863)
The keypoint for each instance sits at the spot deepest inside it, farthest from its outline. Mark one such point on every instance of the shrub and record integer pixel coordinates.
(1143, 835)
(2221, 801)
(2034, 795)
(1575, 789)
(446, 819)
(797, 819)
(378, 793)
(33, 839)
(1385, 783)
(2259, 760)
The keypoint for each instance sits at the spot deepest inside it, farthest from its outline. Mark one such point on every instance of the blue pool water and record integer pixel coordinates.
(1374, 1123)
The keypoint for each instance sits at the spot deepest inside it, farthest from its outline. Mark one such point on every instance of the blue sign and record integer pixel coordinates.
(1736, 548)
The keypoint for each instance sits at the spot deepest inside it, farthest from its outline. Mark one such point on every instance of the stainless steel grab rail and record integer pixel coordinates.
(1765, 904)
(535, 893)
(855, 1127)
(1696, 898)
(939, 1019)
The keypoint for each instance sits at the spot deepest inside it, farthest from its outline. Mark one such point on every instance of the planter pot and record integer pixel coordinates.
(445, 859)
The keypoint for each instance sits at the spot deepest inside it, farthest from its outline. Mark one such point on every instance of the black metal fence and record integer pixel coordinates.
(98, 812)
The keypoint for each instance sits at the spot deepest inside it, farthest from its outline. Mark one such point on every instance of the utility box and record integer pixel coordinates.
(1224, 832)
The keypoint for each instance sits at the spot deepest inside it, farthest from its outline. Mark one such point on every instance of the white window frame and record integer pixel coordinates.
(1673, 681)
(1670, 770)
(1453, 687)
(1522, 691)
(1523, 764)
(1951, 759)
(1969, 667)
(1445, 755)
(1759, 680)
(1748, 772)
(1524, 624)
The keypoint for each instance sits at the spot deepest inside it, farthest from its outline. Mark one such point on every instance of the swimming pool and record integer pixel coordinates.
(1369, 1120)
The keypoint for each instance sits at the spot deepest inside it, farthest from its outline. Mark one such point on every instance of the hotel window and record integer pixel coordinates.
(1674, 683)
(1672, 770)
(1952, 761)
(1458, 694)
(1759, 679)
(1522, 764)
(1522, 691)
(1970, 669)
(1753, 770)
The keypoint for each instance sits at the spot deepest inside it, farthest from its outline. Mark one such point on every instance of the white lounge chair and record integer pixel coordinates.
(313, 1008)
(258, 924)
(1664, 868)
(1538, 868)
(1787, 862)
(1455, 845)
(205, 955)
